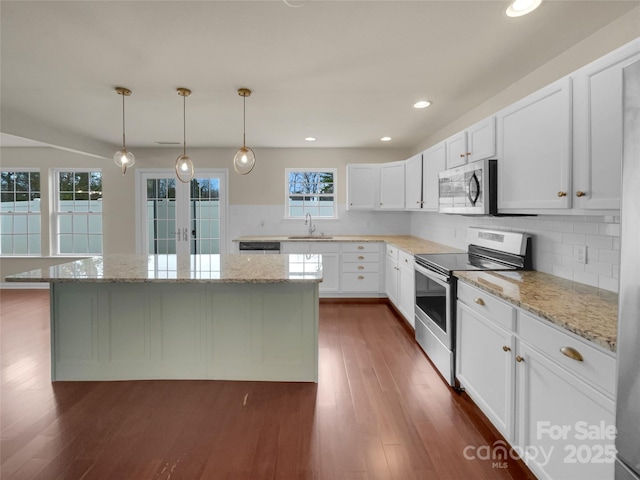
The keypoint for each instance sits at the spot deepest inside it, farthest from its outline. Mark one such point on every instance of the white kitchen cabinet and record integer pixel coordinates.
(360, 268)
(363, 184)
(597, 124)
(456, 149)
(534, 150)
(413, 183)
(406, 286)
(391, 273)
(392, 186)
(472, 144)
(554, 406)
(315, 254)
(434, 161)
(485, 352)
(555, 409)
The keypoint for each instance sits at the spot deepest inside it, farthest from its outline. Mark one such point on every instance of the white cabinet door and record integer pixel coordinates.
(363, 181)
(484, 367)
(413, 183)
(392, 186)
(307, 256)
(434, 161)
(534, 150)
(555, 411)
(406, 287)
(481, 140)
(456, 150)
(391, 274)
(597, 121)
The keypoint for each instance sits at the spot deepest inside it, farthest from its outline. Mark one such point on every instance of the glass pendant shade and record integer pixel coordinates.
(184, 168)
(244, 161)
(124, 159)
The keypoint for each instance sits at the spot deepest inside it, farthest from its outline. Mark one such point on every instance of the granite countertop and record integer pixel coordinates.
(409, 243)
(181, 269)
(587, 311)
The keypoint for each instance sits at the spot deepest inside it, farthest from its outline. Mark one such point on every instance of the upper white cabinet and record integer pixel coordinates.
(392, 186)
(363, 180)
(434, 161)
(534, 150)
(413, 196)
(475, 143)
(597, 124)
(457, 149)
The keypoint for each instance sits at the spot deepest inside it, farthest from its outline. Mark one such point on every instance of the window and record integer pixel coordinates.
(311, 191)
(78, 212)
(20, 213)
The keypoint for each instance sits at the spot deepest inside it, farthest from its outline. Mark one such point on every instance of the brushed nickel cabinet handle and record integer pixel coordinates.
(479, 301)
(562, 194)
(580, 193)
(506, 349)
(572, 353)
(519, 358)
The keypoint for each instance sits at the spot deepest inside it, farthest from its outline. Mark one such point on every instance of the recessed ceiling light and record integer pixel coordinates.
(310, 139)
(522, 7)
(386, 139)
(422, 104)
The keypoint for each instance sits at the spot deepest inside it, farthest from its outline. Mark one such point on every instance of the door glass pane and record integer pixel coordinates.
(205, 215)
(161, 215)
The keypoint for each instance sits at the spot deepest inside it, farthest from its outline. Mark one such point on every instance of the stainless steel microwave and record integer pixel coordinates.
(471, 189)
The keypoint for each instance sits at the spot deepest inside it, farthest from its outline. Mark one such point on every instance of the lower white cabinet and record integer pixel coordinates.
(400, 281)
(360, 267)
(555, 408)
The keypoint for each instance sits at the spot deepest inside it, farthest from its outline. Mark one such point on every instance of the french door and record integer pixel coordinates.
(182, 218)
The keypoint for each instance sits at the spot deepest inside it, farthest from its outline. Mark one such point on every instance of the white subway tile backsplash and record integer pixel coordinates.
(553, 244)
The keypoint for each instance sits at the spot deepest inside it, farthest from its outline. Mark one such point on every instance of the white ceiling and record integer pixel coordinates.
(346, 72)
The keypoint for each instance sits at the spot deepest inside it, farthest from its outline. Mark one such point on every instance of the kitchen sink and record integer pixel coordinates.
(310, 237)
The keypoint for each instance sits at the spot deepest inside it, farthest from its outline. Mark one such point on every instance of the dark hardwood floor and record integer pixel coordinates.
(379, 411)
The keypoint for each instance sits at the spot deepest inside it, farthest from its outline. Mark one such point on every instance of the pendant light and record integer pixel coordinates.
(123, 158)
(184, 165)
(245, 159)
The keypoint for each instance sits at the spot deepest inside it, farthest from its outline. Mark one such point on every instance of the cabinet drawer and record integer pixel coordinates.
(361, 267)
(294, 247)
(405, 259)
(372, 247)
(392, 251)
(597, 367)
(360, 282)
(361, 257)
(324, 247)
(486, 304)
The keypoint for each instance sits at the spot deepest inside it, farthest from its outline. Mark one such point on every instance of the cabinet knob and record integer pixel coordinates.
(418, 202)
(580, 193)
(360, 257)
(406, 261)
(360, 267)
(479, 301)
(468, 154)
(360, 277)
(519, 358)
(506, 349)
(462, 155)
(562, 194)
(380, 203)
(572, 353)
(351, 204)
(360, 247)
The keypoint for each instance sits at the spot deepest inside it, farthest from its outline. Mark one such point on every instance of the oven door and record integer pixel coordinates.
(434, 321)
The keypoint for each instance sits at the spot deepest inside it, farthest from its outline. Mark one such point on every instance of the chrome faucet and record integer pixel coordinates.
(307, 221)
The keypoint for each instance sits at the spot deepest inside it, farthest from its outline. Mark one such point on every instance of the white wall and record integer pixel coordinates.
(554, 241)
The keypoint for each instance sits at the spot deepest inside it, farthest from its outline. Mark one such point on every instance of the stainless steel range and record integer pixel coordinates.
(436, 287)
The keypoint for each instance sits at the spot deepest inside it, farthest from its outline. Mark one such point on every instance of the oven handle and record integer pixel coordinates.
(435, 276)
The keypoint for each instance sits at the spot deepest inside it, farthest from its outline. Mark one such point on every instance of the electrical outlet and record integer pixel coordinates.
(580, 253)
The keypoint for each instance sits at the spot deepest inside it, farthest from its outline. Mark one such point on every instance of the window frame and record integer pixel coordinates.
(28, 213)
(56, 213)
(334, 195)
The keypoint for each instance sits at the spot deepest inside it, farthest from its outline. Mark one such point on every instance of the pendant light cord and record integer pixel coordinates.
(123, 126)
(244, 121)
(184, 125)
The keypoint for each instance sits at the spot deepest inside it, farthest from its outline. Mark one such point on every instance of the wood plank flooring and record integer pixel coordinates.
(379, 411)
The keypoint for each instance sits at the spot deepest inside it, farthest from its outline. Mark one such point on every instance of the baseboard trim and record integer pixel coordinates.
(24, 285)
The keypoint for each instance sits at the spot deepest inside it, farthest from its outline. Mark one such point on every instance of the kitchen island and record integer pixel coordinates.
(222, 317)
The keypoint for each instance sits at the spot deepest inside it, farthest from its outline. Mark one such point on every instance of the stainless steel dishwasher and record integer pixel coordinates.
(259, 247)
